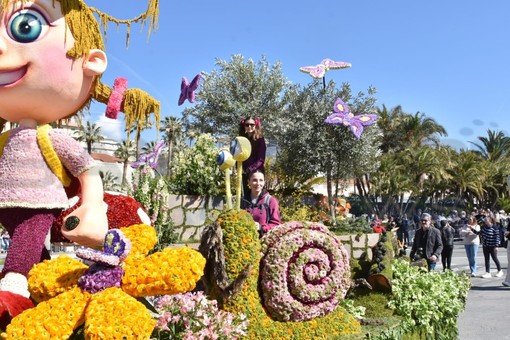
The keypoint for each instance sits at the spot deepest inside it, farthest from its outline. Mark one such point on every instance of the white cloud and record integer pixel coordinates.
(112, 128)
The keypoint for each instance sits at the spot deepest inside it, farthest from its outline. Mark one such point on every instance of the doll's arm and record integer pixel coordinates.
(93, 224)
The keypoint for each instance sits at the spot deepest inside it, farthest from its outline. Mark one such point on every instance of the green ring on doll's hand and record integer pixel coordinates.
(72, 222)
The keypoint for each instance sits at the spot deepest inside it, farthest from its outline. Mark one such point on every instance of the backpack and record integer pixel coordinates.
(266, 205)
(245, 204)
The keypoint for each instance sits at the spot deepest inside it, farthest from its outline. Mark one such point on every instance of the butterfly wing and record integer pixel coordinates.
(154, 155)
(142, 160)
(315, 71)
(341, 107)
(335, 118)
(366, 119)
(193, 86)
(331, 64)
(356, 128)
(184, 91)
(358, 122)
(340, 113)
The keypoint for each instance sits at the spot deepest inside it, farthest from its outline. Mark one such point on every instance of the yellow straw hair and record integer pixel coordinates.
(137, 107)
(3, 140)
(49, 154)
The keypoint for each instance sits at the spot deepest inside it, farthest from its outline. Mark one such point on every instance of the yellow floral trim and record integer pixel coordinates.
(53, 277)
(163, 272)
(50, 156)
(137, 322)
(143, 238)
(53, 319)
(112, 313)
(3, 140)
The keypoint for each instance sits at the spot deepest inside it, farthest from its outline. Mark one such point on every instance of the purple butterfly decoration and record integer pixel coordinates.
(320, 70)
(150, 158)
(342, 115)
(188, 89)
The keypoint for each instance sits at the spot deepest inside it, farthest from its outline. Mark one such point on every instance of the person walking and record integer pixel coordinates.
(447, 235)
(506, 283)
(469, 233)
(403, 233)
(427, 242)
(490, 242)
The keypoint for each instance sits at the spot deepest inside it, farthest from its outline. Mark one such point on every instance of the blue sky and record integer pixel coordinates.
(447, 59)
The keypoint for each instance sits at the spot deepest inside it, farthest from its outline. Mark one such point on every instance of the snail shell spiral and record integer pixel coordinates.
(304, 271)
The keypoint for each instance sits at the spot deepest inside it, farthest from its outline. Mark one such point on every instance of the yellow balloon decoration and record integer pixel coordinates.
(226, 162)
(240, 148)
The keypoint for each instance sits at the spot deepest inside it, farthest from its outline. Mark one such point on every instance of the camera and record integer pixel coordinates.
(480, 219)
(419, 254)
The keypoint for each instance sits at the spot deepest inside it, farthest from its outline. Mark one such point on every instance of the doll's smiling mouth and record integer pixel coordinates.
(9, 77)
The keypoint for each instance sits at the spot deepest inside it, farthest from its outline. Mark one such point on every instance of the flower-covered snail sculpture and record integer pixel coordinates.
(289, 282)
(304, 271)
(103, 296)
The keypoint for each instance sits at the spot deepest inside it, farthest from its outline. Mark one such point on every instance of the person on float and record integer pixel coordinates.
(260, 204)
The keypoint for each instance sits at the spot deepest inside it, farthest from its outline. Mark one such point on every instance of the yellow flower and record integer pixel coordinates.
(111, 313)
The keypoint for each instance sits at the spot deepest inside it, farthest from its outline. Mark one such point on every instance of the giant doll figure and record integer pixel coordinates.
(51, 61)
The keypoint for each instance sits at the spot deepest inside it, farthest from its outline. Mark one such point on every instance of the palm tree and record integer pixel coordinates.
(90, 134)
(389, 121)
(138, 128)
(467, 176)
(109, 181)
(419, 129)
(148, 147)
(494, 150)
(494, 146)
(126, 151)
(172, 129)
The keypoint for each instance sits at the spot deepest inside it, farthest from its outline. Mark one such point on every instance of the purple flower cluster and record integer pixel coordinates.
(106, 271)
(97, 256)
(304, 271)
(116, 243)
(99, 277)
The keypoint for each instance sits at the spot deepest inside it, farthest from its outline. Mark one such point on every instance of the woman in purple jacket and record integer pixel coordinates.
(263, 207)
(250, 128)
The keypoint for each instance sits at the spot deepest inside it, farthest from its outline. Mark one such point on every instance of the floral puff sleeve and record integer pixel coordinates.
(72, 155)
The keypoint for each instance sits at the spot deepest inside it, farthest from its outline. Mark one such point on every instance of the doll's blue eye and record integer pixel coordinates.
(26, 26)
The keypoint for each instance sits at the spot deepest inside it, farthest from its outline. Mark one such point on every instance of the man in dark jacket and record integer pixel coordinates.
(427, 242)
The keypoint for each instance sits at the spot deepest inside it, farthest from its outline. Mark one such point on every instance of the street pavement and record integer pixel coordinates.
(487, 310)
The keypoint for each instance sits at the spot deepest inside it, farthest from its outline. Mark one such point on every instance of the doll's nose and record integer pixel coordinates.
(3, 44)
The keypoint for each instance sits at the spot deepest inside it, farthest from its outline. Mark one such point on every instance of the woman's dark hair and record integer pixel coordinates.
(257, 133)
(251, 173)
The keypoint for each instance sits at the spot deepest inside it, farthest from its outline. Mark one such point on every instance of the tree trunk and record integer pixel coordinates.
(124, 175)
(169, 164)
(137, 141)
(330, 196)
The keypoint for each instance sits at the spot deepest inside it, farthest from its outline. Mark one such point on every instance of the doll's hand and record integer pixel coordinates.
(86, 225)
